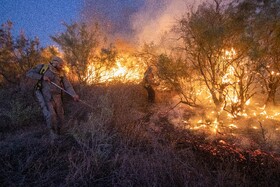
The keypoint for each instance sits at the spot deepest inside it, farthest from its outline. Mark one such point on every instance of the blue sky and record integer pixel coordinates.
(40, 18)
(44, 18)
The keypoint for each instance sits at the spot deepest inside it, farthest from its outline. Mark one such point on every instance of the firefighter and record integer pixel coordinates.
(49, 96)
(149, 82)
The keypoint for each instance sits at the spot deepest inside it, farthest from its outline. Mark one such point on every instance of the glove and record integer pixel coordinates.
(76, 98)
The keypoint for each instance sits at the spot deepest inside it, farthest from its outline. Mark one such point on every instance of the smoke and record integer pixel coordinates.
(113, 16)
(136, 21)
(158, 17)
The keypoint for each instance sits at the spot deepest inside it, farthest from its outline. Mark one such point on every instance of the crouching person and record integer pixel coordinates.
(49, 95)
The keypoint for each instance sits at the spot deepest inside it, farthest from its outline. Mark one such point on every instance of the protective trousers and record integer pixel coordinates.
(52, 110)
(151, 93)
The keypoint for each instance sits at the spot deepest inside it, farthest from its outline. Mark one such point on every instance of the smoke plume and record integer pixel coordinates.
(136, 21)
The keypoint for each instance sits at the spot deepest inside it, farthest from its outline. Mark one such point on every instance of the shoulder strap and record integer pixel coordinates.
(44, 69)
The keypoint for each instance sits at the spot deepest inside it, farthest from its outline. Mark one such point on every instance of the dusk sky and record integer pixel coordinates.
(43, 18)
(40, 18)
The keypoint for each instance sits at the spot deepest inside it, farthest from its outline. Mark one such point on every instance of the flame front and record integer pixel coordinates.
(125, 69)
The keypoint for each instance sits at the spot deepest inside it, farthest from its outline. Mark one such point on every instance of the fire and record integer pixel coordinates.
(66, 69)
(128, 68)
(125, 69)
(233, 126)
(228, 77)
(231, 119)
(229, 54)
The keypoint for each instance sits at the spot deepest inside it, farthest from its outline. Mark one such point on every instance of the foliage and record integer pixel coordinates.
(16, 55)
(216, 46)
(79, 46)
(149, 53)
(103, 62)
(179, 76)
(122, 141)
(49, 52)
(106, 151)
(264, 20)
(20, 107)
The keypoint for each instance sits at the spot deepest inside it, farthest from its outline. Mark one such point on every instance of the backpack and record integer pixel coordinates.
(42, 71)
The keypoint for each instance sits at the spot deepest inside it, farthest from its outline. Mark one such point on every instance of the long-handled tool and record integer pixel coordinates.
(71, 95)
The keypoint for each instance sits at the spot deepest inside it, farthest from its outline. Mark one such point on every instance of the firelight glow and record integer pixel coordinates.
(215, 120)
(126, 69)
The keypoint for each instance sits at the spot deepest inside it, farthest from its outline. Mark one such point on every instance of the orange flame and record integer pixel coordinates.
(126, 69)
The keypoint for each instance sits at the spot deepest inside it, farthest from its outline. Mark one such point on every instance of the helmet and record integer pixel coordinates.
(56, 60)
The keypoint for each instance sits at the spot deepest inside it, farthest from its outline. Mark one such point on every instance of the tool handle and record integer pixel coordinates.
(71, 94)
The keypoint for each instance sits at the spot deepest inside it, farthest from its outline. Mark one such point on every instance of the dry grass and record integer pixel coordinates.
(124, 142)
